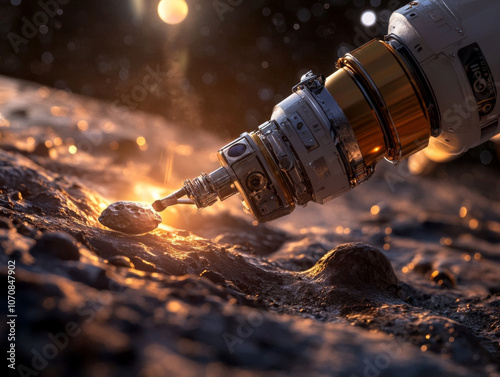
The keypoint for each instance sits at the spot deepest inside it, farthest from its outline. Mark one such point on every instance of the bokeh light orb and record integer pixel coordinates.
(368, 18)
(172, 12)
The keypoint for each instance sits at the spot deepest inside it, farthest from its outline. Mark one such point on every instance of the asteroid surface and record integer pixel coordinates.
(327, 291)
(130, 217)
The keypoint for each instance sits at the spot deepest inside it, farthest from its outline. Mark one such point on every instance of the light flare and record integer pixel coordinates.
(172, 12)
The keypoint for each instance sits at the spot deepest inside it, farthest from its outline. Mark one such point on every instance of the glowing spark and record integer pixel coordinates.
(463, 212)
(140, 141)
(473, 223)
(48, 143)
(368, 18)
(83, 125)
(57, 141)
(43, 92)
(175, 307)
(58, 111)
(446, 241)
(172, 11)
(72, 149)
(375, 210)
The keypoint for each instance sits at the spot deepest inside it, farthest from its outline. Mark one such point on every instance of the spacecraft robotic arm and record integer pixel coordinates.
(429, 86)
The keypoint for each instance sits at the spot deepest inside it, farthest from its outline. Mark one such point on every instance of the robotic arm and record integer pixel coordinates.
(428, 86)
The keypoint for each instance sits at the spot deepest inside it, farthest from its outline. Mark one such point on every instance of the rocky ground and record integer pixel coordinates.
(400, 277)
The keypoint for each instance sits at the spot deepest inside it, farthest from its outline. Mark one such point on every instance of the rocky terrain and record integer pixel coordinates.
(401, 277)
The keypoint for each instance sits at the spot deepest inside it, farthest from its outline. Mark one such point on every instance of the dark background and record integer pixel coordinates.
(227, 65)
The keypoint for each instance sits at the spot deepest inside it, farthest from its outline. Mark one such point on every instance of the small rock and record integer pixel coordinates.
(27, 230)
(215, 277)
(355, 265)
(57, 244)
(420, 264)
(5, 223)
(130, 217)
(17, 196)
(143, 265)
(93, 276)
(121, 261)
(443, 278)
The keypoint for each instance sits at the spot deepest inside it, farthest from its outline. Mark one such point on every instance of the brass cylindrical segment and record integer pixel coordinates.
(363, 120)
(387, 105)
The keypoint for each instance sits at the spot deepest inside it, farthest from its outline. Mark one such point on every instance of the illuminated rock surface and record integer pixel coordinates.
(305, 296)
(130, 217)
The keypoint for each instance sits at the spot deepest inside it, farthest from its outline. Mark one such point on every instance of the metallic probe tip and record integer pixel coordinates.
(158, 206)
(161, 204)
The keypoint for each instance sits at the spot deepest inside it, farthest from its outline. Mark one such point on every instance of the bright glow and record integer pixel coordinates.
(4, 122)
(58, 111)
(184, 150)
(141, 140)
(83, 125)
(473, 223)
(172, 11)
(72, 149)
(368, 18)
(144, 192)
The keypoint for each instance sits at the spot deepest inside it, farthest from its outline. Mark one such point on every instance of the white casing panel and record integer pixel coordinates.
(439, 33)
